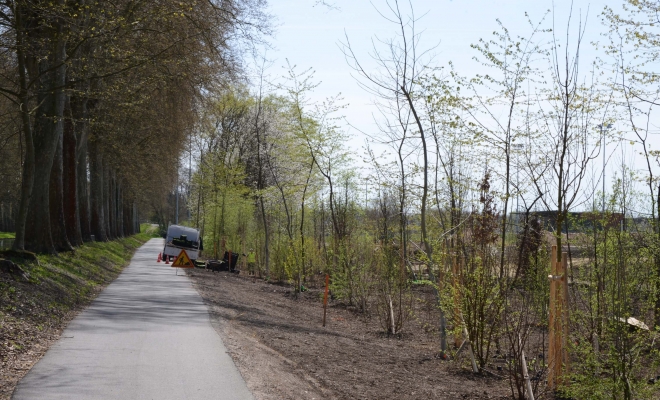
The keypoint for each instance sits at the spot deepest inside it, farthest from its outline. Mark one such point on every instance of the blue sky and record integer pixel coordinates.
(309, 36)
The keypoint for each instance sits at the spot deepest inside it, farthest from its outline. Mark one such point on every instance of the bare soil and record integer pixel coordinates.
(283, 352)
(32, 318)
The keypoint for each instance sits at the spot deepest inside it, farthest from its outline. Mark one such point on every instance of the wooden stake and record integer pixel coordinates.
(558, 321)
(564, 314)
(558, 325)
(457, 300)
(551, 320)
(325, 297)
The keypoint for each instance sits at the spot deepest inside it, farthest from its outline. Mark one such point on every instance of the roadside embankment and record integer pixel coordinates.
(38, 299)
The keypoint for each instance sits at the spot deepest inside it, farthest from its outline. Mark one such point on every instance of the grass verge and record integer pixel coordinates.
(34, 312)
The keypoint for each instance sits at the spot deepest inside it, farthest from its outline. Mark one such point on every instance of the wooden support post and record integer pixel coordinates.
(558, 321)
(552, 377)
(325, 297)
(556, 360)
(457, 301)
(443, 320)
(564, 314)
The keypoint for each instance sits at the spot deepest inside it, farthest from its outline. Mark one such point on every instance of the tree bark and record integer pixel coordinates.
(112, 197)
(56, 198)
(97, 217)
(105, 199)
(46, 134)
(127, 216)
(260, 187)
(26, 125)
(69, 178)
(83, 191)
(120, 211)
(136, 218)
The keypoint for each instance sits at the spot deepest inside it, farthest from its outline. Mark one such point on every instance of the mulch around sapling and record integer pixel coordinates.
(283, 352)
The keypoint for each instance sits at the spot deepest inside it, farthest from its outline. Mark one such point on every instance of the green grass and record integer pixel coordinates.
(150, 230)
(7, 235)
(64, 282)
(58, 285)
(92, 265)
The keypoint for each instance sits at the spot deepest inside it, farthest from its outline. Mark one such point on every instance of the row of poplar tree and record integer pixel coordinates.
(97, 100)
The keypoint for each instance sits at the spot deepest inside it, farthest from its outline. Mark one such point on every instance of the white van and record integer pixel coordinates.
(182, 238)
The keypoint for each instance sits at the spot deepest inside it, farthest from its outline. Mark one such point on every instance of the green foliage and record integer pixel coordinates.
(355, 271)
(150, 230)
(618, 357)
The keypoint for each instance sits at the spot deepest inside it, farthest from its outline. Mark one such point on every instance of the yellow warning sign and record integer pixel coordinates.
(183, 261)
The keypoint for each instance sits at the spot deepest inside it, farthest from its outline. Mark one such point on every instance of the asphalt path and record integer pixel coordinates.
(147, 336)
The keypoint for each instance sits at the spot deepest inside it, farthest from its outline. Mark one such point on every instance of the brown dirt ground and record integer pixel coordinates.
(282, 351)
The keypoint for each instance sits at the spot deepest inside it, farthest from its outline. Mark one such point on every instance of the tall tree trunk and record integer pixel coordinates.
(83, 191)
(115, 198)
(26, 125)
(56, 188)
(47, 132)
(81, 114)
(106, 199)
(97, 217)
(120, 211)
(69, 177)
(112, 197)
(266, 235)
(136, 218)
(427, 245)
(127, 216)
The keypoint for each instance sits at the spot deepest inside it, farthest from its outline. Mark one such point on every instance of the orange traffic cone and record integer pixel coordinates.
(167, 259)
(159, 257)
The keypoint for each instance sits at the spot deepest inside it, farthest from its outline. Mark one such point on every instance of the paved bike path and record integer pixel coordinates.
(147, 336)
